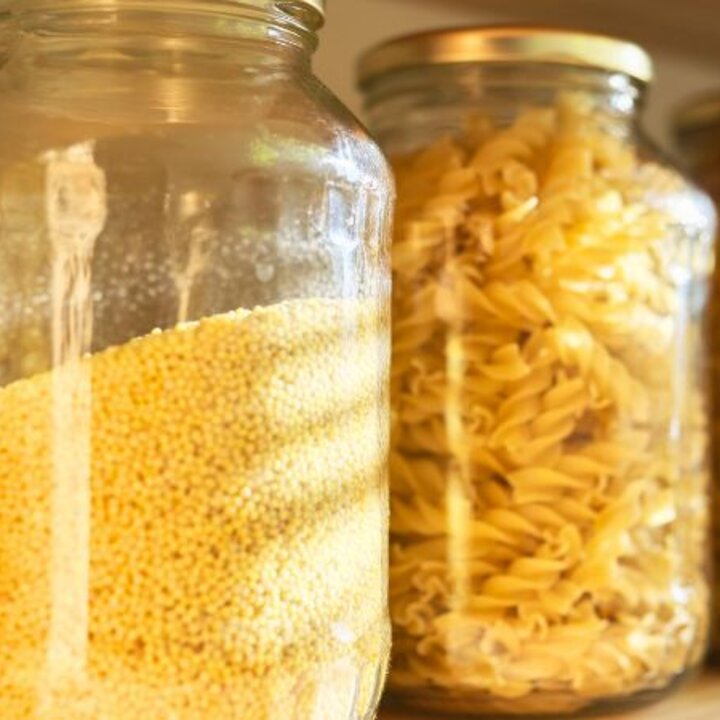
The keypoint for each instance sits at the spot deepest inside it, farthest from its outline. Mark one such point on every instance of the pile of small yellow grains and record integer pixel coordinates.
(237, 526)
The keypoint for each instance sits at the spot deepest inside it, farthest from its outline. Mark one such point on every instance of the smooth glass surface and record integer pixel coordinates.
(193, 372)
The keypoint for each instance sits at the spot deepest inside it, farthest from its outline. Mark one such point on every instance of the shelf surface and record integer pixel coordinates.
(699, 699)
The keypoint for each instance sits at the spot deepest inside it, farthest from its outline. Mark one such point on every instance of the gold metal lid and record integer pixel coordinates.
(508, 44)
(700, 113)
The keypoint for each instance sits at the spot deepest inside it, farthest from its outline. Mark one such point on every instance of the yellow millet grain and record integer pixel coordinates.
(237, 525)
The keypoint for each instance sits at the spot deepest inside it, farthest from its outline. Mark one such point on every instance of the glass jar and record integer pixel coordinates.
(697, 129)
(194, 354)
(6, 31)
(549, 432)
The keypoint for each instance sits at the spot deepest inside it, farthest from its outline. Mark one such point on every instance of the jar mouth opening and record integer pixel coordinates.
(507, 44)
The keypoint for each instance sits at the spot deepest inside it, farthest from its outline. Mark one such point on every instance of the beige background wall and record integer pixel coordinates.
(683, 36)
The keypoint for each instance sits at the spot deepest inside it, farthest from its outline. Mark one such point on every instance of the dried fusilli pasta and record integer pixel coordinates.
(549, 517)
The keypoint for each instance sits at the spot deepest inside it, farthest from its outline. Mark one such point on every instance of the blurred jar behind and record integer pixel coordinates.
(697, 132)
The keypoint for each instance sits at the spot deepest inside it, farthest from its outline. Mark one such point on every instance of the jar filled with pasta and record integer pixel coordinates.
(549, 519)
(194, 362)
(697, 127)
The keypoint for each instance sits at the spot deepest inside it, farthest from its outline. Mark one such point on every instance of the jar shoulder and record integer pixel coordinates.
(287, 122)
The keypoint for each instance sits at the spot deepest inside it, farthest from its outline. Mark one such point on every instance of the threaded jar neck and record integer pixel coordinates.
(440, 97)
(287, 28)
(169, 59)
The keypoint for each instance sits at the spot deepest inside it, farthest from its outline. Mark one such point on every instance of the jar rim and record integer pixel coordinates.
(317, 6)
(507, 44)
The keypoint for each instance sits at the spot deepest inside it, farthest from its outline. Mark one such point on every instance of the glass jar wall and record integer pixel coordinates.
(549, 426)
(194, 348)
(698, 135)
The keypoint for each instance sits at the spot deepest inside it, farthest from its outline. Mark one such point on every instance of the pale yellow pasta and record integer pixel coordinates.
(549, 431)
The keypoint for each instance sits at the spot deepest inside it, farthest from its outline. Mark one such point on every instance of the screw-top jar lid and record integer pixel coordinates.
(508, 44)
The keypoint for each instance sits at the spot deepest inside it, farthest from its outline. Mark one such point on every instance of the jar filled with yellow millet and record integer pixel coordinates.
(194, 359)
(697, 131)
(549, 519)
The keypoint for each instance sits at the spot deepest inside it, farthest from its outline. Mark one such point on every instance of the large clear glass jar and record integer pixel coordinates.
(697, 127)
(549, 426)
(194, 351)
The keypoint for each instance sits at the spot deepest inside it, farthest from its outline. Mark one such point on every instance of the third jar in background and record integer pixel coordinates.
(549, 465)
(697, 129)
